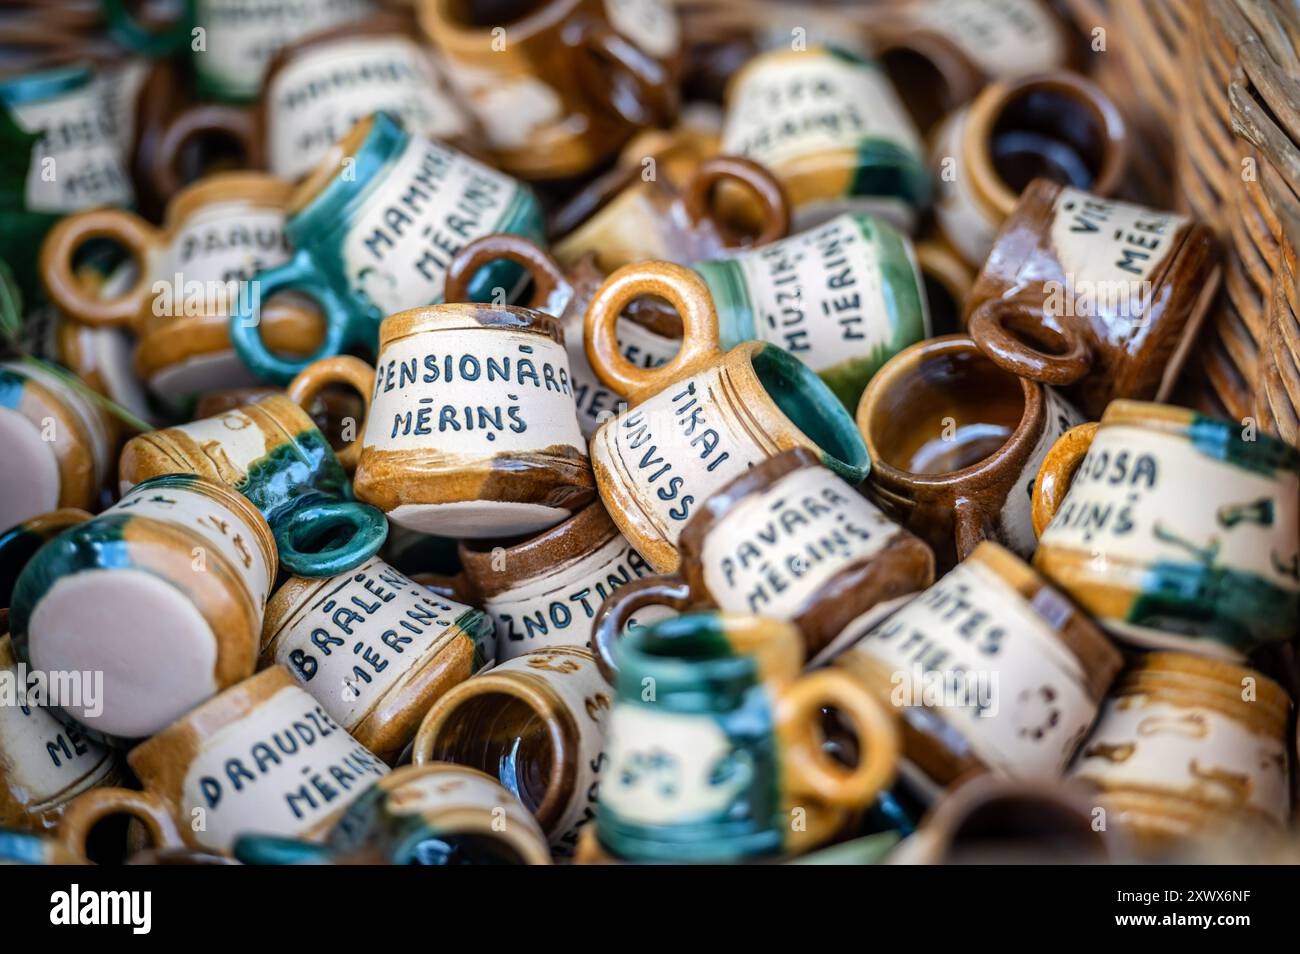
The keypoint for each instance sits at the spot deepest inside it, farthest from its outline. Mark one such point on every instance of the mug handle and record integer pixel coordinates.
(686, 292)
(971, 526)
(340, 369)
(138, 38)
(360, 528)
(210, 119)
(656, 98)
(544, 271)
(813, 771)
(88, 809)
(1057, 472)
(612, 617)
(987, 326)
(70, 293)
(297, 274)
(751, 176)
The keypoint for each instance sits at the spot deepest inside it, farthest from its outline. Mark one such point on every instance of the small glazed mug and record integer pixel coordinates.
(955, 445)
(1174, 530)
(1118, 290)
(631, 219)
(787, 539)
(434, 814)
(648, 335)
(714, 764)
(160, 597)
(1188, 747)
(375, 648)
(832, 130)
(189, 274)
(1022, 671)
(239, 36)
(272, 453)
(375, 225)
(701, 419)
(537, 724)
(470, 426)
(559, 85)
(263, 756)
(46, 763)
(546, 590)
(318, 87)
(57, 444)
(1056, 125)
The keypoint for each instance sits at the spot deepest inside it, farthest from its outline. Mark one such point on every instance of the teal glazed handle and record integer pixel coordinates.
(319, 537)
(128, 31)
(343, 327)
(272, 850)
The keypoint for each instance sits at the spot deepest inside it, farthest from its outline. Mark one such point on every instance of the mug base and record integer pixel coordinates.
(29, 480)
(478, 519)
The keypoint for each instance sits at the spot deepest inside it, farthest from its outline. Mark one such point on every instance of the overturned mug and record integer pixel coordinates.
(434, 814)
(1117, 290)
(374, 226)
(787, 539)
(470, 426)
(955, 445)
(713, 750)
(273, 454)
(701, 419)
(375, 648)
(160, 596)
(1174, 530)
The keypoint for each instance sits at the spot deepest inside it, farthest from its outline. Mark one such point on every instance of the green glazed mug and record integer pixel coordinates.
(714, 750)
(375, 226)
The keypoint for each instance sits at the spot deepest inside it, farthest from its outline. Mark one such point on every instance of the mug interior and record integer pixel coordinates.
(481, 14)
(1027, 829)
(458, 848)
(946, 412)
(1046, 132)
(504, 736)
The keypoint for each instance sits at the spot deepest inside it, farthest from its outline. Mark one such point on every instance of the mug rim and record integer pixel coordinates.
(463, 317)
(1188, 424)
(441, 23)
(235, 185)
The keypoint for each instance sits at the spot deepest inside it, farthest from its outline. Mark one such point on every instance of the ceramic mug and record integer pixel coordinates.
(648, 335)
(434, 814)
(713, 750)
(1188, 747)
(940, 53)
(1174, 530)
(57, 444)
(843, 297)
(374, 226)
(190, 273)
(789, 540)
(374, 648)
(832, 130)
(238, 37)
(470, 427)
(318, 87)
(629, 218)
(263, 756)
(46, 763)
(537, 724)
(701, 419)
(1056, 125)
(955, 445)
(546, 590)
(990, 669)
(160, 597)
(558, 85)
(1118, 290)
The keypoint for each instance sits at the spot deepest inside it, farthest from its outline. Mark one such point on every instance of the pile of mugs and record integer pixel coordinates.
(795, 478)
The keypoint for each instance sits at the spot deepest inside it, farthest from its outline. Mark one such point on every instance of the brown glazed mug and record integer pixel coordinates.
(317, 88)
(217, 234)
(1116, 291)
(558, 85)
(1055, 125)
(955, 445)
(648, 335)
(263, 756)
(625, 217)
(787, 539)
